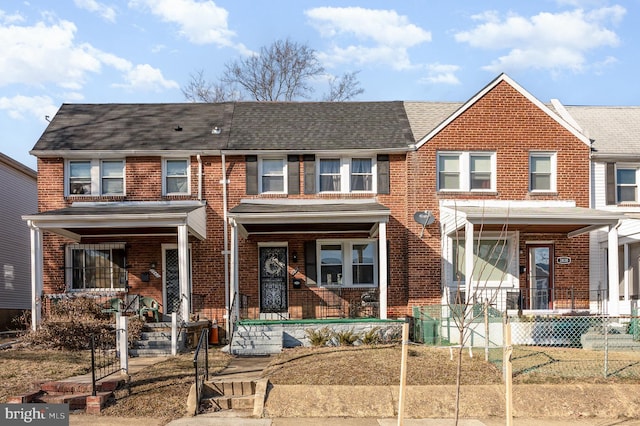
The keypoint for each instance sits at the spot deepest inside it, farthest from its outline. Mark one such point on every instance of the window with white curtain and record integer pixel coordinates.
(176, 176)
(346, 174)
(95, 177)
(348, 263)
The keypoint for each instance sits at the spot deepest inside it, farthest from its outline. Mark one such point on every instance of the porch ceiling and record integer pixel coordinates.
(308, 216)
(570, 220)
(118, 219)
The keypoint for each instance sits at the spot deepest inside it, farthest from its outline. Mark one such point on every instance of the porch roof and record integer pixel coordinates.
(308, 216)
(570, 220)
(117, 219)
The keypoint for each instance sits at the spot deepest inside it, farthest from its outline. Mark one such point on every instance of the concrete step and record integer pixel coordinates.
(220, 403)
(153, 344)
(234, 388)
(614, 341)
(155, 335)
(149, 352)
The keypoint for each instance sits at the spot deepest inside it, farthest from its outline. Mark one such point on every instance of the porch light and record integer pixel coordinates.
(294, 256)
(216, 130)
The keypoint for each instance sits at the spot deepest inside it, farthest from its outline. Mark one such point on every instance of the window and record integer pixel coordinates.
(361, 174)
(346, 175)
(93, 177)
(80, 177)
(626, 185)
(330, 175)
(466, 171)
(176, 177)
(96, 267)
(491, 261)
(542, 171)
(348, 263)
(112, 177)
(273, 172)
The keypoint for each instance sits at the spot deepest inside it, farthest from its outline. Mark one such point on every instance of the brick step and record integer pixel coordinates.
(63, 387)
(75, 401)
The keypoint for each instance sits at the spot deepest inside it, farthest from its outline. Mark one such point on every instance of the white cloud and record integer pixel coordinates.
(199, 22)
(46, 53)
(35, 106)
(546, 41)
(6, 19)
(382, 36)
(441, 74)
(146, 78)
(107, 13)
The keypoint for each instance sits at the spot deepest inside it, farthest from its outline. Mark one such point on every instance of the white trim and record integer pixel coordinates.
(284, 170)
(95, 175)
(68, 271)
(164, 175)
(487, 89)
(346, 249)
(553, 157)
(345, 173)
(464, 170)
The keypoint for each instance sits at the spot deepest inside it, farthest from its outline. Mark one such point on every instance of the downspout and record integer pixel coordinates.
(225, 249)
(199, 177)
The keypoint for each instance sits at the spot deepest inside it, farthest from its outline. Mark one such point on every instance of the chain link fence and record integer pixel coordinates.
(546, 348)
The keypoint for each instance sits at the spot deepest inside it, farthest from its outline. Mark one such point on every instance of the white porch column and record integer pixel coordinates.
(383, 268)
(614, 276)
(183, 271)
(235, 286)
(468, 261)
(626, 276)
(36, 275)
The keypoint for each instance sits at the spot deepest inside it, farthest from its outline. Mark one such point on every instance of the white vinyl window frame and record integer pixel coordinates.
(634, 170)
(345, 263)
(551, 173)
(464, 172)
(168, 175)
(267, 172)
(346, 173)
(117, 276)
(91, 184)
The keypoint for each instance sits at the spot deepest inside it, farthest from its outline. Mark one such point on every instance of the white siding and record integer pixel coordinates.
(599, 185)
(18, 192)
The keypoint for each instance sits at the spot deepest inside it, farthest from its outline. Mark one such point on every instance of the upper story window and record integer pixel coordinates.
(347, 262)
(627, 184)
(542, 172)
(95, 177)
(466, 171)
(176, 178)
(272, 175)
(346, 174)
(96, 267)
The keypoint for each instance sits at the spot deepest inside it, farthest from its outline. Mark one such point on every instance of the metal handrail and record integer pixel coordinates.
(201, 371)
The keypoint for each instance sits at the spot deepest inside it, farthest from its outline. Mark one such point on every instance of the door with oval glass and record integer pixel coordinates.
(273, 279)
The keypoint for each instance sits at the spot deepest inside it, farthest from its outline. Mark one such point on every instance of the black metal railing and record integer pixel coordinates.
(104, 357)
(321, 303)
(555, 298)
(201, 363)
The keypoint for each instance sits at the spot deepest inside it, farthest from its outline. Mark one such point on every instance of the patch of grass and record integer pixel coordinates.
(21, 368)
(161, 390)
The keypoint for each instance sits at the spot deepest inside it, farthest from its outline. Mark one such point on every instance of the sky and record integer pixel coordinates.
(582, 52)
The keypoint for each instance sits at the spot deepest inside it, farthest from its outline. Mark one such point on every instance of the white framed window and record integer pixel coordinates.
(466, 171)
(627, 183)
(346, 174)
(273, 172)
(176, 176)
(542, 172)
(96, 267)
(95, 177)
(347, 263)
(494, 262)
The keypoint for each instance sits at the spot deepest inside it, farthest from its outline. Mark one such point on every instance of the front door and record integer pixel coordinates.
(172, 280)
(273, 279)
(540, 275)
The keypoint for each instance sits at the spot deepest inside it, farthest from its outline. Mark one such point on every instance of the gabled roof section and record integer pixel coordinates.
(136, 127)
(614, 130)
(501, 78)
(318, 126)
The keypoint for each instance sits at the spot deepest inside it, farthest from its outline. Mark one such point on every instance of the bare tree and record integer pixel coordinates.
(282, 71)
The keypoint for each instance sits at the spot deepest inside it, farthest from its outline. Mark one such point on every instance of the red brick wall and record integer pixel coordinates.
(506, 122)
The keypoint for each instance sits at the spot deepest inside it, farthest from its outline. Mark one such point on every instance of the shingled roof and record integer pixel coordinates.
(614, 130)
(131, 127)
(291, 126)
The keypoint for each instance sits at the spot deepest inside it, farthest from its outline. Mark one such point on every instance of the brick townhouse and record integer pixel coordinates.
(314, 209)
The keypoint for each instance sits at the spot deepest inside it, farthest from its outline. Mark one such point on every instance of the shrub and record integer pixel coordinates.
(318, 337)
(71, 323)
(371, 337)
(346, 337)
